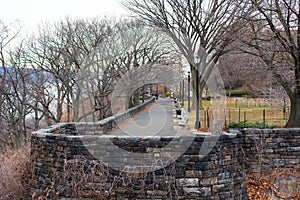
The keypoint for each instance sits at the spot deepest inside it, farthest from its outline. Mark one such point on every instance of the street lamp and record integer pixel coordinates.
(179, 94)
(189, 85)
(156, 96)
(182, 93)
(197, 62)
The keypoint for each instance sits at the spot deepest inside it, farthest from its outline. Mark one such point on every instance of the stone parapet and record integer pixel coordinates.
(210, 168)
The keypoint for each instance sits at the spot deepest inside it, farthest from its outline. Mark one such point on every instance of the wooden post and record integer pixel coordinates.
(245, 119)
(225, 122)
(264, 116)
(229, 116)
(208, 120)
(205, 118)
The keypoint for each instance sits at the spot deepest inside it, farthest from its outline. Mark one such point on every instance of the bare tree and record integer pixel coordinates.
(7, 35)
(13, 89)
(203, 28)
(43, 58)
(242, 70)
(142, 51)
(67, 51)
(84, 59)
(273, 35)
(19, 81)
(71, 67)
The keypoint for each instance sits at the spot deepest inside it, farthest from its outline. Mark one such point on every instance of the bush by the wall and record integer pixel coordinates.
(245, 124)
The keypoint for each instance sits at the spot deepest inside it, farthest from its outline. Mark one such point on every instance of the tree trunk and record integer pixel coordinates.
(83, 111)
(127, 102)
(108, 110)
(136, 99)
(193, 106)
(294, 118)
(195, 100)
(36, 116)
(193, 83)
(102, 110)
(92, 106)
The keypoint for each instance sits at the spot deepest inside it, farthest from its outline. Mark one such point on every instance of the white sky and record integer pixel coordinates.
(31, 12)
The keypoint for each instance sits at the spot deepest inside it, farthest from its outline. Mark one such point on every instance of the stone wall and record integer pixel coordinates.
(217, 175)
(78, 161)
(271, 148)
(96, 128)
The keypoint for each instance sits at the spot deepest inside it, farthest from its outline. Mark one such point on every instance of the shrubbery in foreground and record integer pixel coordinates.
(15, 173)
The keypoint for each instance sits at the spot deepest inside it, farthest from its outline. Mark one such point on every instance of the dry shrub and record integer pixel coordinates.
(80, 179)
(15, 173)
(87, 179)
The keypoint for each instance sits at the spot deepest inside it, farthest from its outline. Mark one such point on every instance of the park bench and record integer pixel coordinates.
(184, 120)
(179, 113)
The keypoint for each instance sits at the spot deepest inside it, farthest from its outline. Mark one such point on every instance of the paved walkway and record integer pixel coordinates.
(158, 120)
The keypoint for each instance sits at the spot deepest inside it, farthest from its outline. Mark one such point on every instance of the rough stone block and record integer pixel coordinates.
(187, 182)
(218, 188)
(200, 192)
(293, 149)
(209, 181)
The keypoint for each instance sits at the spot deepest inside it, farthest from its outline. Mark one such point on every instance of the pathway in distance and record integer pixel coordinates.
(156, 121)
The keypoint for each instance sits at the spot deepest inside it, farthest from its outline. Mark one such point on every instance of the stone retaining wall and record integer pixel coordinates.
(217, 175)
(271, 148)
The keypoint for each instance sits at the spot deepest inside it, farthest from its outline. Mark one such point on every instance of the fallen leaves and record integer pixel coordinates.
(260, 187)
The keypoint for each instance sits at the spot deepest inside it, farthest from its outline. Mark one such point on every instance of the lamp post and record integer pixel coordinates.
(179, 92)
(189, 89)
(182, 94)
(197, 122)
(156, 96)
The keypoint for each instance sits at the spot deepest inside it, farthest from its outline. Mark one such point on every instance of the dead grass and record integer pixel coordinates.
(250, 110)
(15, 173)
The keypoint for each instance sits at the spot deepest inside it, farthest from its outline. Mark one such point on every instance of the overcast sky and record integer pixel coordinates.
(31, 12)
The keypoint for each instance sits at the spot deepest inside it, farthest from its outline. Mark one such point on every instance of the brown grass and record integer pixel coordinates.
(14, 173)
(250, 110)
